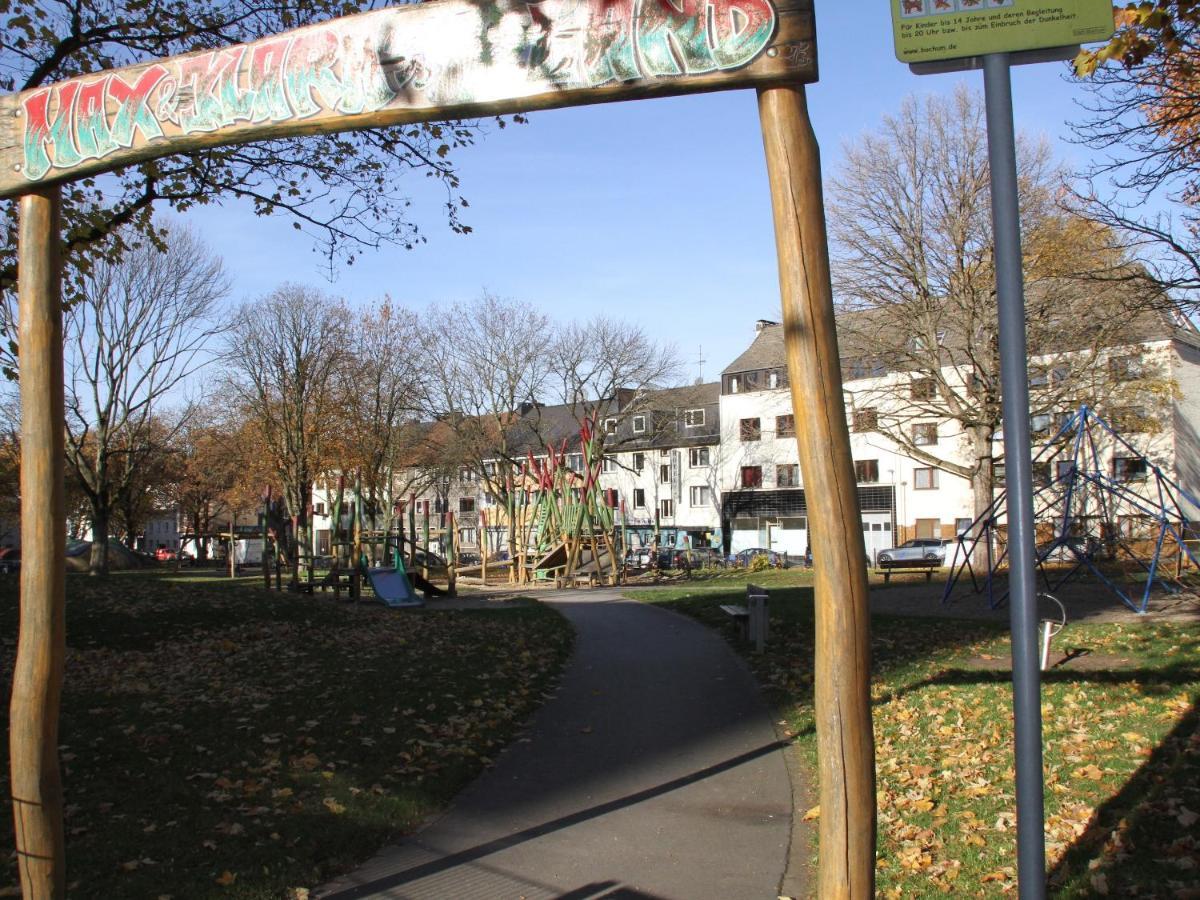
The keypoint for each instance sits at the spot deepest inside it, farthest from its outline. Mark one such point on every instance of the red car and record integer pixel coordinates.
(164, 554)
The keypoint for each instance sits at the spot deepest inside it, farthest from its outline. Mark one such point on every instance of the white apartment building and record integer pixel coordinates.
(901, 497)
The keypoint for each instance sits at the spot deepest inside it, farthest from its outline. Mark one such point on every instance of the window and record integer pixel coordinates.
(1129, 468)
(698, 495)
(1064, 468)
(664, 473)
(639, 461)
(608, 464)
(320, 509)
(664, 452)
(1125, 368)
(777, 378)
(693, 418)
(1040, 423)
(928, 529)
(962, 526)
(866, 471)
(785, 426)
(465, 475)
(925, 479)
(698, 457)
(610, 426)
(750, 429)
(751, 476)
(639, 424)
(666, 508)
(639, 498)
(865, 419)
(575, 462)
(1039, 377)
(787, 475)
(1039, 473)
(489, 469)
(923, 389)
(466, 504)
(925, 433)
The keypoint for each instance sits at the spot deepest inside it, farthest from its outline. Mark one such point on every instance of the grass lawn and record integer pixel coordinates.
(222, 741)
(1122, 745)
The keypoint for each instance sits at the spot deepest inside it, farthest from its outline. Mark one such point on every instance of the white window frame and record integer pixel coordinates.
(693, 418)
(694, 458)
(933, 478)
(666, 508)
(639, 424)
(700, 491)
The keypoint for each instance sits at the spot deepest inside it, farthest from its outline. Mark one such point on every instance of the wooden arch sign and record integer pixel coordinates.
(440, 60)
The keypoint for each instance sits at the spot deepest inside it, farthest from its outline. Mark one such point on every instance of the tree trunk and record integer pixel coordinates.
(98, 562)
(983, 495)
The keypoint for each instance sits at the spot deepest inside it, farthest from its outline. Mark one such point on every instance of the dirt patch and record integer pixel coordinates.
(1088, 601)
(1077, 659)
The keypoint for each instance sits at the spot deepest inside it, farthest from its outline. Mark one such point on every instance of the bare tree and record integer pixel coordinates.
(143, 326)
(286, 348)
(380, 393)
(610, 368)
(913, 265)
(488, 364)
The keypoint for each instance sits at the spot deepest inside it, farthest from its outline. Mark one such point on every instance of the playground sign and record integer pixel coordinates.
(933, 30)
(444, 60)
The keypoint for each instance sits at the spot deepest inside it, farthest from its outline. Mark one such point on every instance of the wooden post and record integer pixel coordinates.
(451, 555)
(41, 643)
(266, 538)
(842, 671)
(483, 539)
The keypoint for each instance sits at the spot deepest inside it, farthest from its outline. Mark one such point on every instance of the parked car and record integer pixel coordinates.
(637, 558)
(700, 557)
(921, 551)
(745, 557)
(164, 554)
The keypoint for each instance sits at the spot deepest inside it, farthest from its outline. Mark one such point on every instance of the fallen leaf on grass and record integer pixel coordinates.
(226, 878)
(333, 806)
(814, 813)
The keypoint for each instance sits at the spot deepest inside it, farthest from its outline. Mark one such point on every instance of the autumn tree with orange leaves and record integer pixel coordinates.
(1144, 116)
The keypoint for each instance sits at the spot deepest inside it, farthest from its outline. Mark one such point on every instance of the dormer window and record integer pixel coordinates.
(639, 424)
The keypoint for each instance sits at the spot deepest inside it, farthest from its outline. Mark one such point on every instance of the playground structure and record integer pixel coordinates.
(1130, 530)
(389, 560)
(564, 525)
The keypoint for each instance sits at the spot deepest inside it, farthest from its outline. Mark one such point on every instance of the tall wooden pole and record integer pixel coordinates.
(846, 752)
(41, 647)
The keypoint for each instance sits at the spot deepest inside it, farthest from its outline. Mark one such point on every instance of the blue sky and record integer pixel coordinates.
(654, 211)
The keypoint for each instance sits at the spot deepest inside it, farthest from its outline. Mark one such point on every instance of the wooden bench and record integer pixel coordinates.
(925, 566)
(584, 579)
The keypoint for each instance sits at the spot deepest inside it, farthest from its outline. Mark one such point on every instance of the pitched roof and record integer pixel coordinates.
(765, 352)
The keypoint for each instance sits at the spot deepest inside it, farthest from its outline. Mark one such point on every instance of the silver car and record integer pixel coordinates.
(919, 551)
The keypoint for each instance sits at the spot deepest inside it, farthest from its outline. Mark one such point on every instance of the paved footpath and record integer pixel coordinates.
(654, 772)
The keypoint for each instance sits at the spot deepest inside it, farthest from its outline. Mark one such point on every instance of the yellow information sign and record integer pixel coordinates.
(932, 30)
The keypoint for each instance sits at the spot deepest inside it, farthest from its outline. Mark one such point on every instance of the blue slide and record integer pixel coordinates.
(393, 588)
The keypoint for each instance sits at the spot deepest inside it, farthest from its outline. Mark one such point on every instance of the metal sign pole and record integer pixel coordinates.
(1014, 381)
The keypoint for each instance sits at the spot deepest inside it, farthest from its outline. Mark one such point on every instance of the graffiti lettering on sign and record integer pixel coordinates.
(450, 54)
